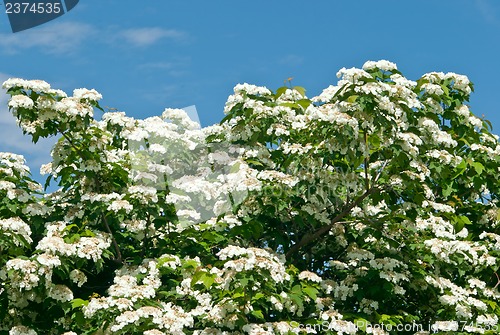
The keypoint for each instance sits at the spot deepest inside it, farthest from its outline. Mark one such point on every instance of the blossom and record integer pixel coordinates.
(34, 85)
(118, 205)
(22, 330)
(383, 65)
(21, 101)
(16, 226)
(78, 277)
(60, 292)
(83, 93)
(311, 276)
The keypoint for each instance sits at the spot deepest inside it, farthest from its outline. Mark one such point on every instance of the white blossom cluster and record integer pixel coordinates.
(246, 259)
(14, 227)
(90, 248)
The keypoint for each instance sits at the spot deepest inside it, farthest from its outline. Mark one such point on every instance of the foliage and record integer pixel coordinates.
(371, 208)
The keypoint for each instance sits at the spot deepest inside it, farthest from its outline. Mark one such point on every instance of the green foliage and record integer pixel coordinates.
(369, 209)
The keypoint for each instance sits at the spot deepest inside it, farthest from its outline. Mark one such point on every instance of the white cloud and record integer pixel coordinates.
(161, 93)
(68, 37)
(142, 37)
(175, 68)
(291, 60)
(53, 38)
(487, 11)
(158, 65)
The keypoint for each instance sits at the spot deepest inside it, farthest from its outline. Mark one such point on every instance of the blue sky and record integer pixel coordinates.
(144, 56)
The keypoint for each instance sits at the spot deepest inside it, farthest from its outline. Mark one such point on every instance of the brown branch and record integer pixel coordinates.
(118, 258)
(498, 281)
(308, 238)
(367, 181)
(145, 242)
(70, 141)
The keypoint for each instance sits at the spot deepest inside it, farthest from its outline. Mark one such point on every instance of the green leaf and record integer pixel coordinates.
(47, 182)
(208, 280)
(258, 314)
(280, 91)
(235, 168)
(77, 303)
(478, 167)
(460, 168)
(361, 324)
(460, 222)
(448, 190)
(258, 296)
(352, 98)
(304, 103)
(311, 292)
(301, 90)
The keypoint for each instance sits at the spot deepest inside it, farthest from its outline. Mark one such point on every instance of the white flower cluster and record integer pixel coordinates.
(458, 82)
(78, 277)
(22, 330)
(383, 65)
(246, 259)
(440, 227)
(168, 317)
(14, 227)
(53, 107)
(241, 92)
(310, 276)
(21, 101)
(83, 93)
(435, 135)
(90, 248)
(126, 284)
(32, 85)
(467, 301)
(12, 163)
(129, 291)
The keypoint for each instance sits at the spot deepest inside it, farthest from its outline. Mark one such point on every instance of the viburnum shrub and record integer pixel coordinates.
(369, 209)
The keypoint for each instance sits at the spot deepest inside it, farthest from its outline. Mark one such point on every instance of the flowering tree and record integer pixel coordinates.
(371, 208)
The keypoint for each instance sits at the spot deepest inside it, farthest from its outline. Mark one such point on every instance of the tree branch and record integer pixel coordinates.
(367, 180)
(308, 238)
(118, 258)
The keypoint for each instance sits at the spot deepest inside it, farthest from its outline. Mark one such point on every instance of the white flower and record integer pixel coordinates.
(352, 75)
(311, 276)
(83, 93)
(118, 205)
(445, 326)
(34, 85)
(22, 330)
(251, 89)
(16, 226)
(6, 185)
(383, 65)
(78, 277)
(21, 101)
(61, 293)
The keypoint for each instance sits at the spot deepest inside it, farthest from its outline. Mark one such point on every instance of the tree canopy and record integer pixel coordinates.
(368, 209)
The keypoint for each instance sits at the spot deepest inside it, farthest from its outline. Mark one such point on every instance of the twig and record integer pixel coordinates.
(118, 258)
(308, 238)
(367, 181)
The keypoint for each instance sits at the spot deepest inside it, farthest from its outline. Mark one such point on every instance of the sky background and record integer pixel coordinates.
(145, 56)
